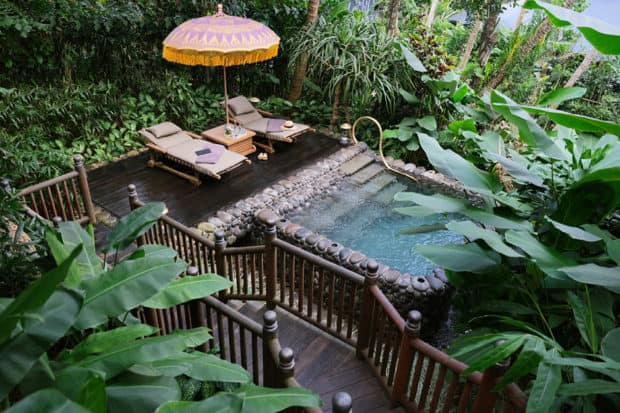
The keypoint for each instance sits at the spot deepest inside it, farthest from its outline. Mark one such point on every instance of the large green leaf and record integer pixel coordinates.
(116, 360)
(584, 319)
(530, 356)
(589, 387)
(604, 37)
(546, 258)
(429, 204)
(610, 345)
(496, 354)
(220, 403)
(428, 122)
(451, 164)
(141, 394)
(562, 94)
(608, 277)
(61, 253)
(496, 221)
(412, 59)
(546, 385)
(574, 121)
(126, 286)
(34, 296)
(186, 289)
(83, 386)
(266, 400)
(205, 367)
(48, 401)
(529, 131)
(107, 340)
(410, 98)
(41, 328)
(88, 263)
(136, 223)
(607, 367)
(574, 232)
(517, 171)
(468, 257)
(491, 238)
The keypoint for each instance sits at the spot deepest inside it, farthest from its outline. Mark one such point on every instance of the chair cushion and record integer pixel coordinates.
(240, 105)
(187, 152)
(259, 125)
(164, 129)
(167, 141)
(248, 117)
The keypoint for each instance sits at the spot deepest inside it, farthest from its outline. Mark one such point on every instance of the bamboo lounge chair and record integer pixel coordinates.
(167, 140)
(242, 112)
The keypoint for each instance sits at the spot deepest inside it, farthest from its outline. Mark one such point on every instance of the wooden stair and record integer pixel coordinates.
(325, 364)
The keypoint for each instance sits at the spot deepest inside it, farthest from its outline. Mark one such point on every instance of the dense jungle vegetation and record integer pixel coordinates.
(518, 115)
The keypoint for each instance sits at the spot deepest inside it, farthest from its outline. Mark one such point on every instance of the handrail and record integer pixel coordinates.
(247, 323)
(241, 250)
(45, 184)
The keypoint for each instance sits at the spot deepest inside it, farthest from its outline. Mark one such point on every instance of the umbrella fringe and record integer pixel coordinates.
(208, 58)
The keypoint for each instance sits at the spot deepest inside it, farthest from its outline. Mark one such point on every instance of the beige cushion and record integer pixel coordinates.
(240, 105)
(259, 125)
(187, 152)
(248, 117)
(164, 129)
(166, 142)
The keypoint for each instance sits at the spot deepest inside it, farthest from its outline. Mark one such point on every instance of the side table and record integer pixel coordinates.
(241, 144)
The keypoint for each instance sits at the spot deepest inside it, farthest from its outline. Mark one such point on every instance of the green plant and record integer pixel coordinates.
(70, 341)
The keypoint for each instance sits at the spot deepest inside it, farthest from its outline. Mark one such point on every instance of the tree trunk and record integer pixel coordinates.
(335, 106)
(393, 12)
(488, 37)
(431, 13)
(520, 18)
(301, 64)
(585, 63)
(471, 41)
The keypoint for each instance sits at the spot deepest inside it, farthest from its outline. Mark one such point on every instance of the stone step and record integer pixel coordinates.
(366, 174)
(379, 182)
(355, 164)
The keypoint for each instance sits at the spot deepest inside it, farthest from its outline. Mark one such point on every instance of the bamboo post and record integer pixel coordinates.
(269, 219)
(270, 335)
(405, 356)
(342, 403)
(366, 308)
(133, 204)
(85, 189)
(486, 398)
(220, 262)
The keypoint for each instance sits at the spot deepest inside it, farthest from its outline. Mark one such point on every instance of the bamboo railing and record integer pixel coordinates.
(66, 196)
(349, 307)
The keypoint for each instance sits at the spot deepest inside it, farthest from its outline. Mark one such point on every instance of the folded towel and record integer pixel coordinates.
(275, 125)
(216, 153)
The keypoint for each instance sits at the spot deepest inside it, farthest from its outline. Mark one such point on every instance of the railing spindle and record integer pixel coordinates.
(367, 311)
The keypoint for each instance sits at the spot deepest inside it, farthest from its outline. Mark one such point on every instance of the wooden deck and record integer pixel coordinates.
(325, 364)
(189, 204)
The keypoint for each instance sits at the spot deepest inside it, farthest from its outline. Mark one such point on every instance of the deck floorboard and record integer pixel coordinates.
(189, 204)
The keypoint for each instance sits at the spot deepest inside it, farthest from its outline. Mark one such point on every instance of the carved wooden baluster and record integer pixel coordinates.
(405, 356)
(220, 262)
(269, 219)
(84, 189)
(270, 335)
(342, 403)
(366, 308)
(486, 397)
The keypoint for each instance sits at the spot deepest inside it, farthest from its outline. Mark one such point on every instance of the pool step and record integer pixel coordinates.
(379, 182)
(355, 164)
(366, 174)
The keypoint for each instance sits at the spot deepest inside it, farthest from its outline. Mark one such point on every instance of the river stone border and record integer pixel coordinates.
(427, 293)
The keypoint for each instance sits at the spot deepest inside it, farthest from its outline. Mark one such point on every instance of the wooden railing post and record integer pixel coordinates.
(220, 261)
(405, 356)
(269, 219)
(342, 403)
(286, 365)
(196, 308)
(85, 189)
(486, 397)
(270, 337)
(366, 308)
(133, 204)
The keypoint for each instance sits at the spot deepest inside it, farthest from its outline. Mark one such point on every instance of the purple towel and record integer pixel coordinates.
(275, 125)
(216, 153)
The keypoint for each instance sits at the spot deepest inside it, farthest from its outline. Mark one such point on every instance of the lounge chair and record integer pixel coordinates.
(242, 112)
(169, 141)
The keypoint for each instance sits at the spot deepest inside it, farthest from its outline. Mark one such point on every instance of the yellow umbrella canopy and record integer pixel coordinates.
(220, 40)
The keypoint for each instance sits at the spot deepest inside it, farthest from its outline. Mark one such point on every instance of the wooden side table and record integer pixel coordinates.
(242, 144)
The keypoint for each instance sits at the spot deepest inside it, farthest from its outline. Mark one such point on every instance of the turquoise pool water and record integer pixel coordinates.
(363, 218)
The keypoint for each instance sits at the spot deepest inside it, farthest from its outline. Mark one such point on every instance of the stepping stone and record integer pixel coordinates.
(379, 182)
(355, 164)
(364, 175)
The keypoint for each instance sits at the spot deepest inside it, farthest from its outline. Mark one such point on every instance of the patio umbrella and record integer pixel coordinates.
(220, 40)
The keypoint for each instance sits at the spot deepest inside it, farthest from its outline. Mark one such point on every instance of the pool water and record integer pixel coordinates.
(363, 218)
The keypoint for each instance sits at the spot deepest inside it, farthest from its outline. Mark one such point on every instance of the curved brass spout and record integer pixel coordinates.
(376, 122)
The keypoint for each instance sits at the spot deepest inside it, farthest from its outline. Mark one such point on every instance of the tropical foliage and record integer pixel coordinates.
(540, 278)
(71, 342)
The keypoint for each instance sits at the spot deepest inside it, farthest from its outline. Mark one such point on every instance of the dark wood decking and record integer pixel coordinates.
(189, 204)
(325, 364)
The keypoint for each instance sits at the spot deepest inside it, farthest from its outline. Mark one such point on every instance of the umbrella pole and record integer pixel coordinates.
(225, 97)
